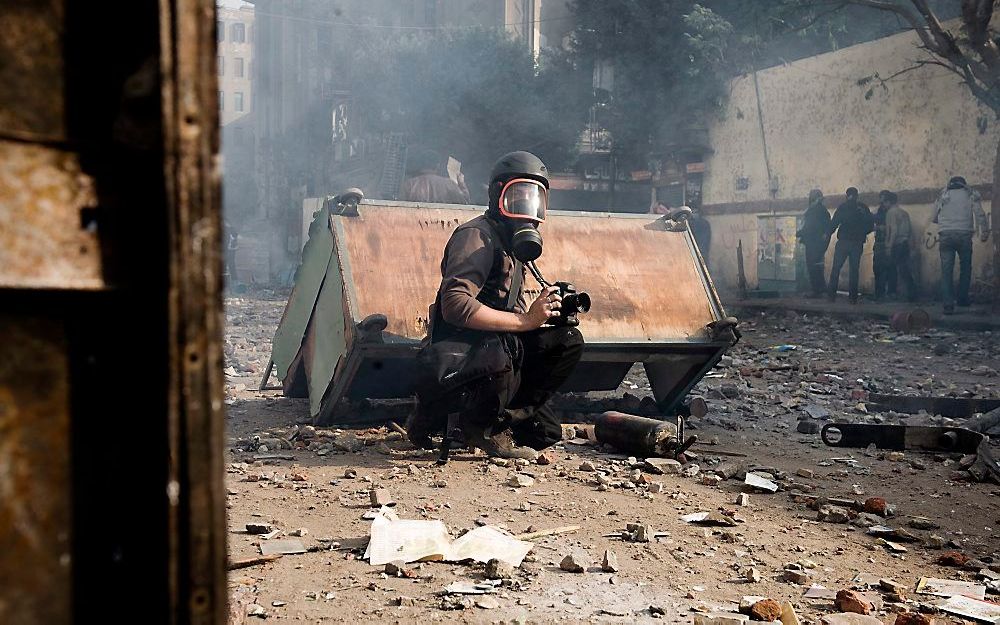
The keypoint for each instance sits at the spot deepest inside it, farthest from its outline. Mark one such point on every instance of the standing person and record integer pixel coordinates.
(701, 230)
(852, 222)
(897, 245)
(426, 184)
(958, 213)
(880, 253)
(815, 236)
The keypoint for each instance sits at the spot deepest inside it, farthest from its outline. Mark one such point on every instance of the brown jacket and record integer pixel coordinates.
(428, 187)
(466, 281)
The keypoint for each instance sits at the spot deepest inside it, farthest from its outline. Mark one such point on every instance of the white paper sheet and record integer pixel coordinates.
(394, 540)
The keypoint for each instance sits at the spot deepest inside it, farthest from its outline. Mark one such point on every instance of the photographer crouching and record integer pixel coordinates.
(491, 362)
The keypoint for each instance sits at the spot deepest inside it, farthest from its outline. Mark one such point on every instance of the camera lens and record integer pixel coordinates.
(583, 302)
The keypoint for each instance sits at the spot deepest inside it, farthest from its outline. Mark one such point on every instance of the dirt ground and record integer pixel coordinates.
(756, 399)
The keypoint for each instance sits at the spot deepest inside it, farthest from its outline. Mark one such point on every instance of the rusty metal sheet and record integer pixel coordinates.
(35, 497)
(32, 70)
(645, 282)
(44, 241)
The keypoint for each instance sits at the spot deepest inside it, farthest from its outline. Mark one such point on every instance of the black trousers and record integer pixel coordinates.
(542, 360)
(898, 269)
(815, 265)
(881, 268)
(843, 252)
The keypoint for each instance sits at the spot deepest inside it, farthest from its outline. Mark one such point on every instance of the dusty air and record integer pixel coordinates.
(500, 311)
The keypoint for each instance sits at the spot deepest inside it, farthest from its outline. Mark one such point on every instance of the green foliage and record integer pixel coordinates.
(670, 61)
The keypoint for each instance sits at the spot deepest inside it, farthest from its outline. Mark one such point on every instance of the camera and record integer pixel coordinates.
(573, 302)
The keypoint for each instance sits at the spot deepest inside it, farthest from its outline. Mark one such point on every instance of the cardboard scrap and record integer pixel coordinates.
(285, 547)
(394, 539)
(976, 610)
(755, 481)
(819, 592)
(950, 588)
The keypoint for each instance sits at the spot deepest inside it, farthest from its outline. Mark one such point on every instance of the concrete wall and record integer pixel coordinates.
(730, 228)
(821, 131)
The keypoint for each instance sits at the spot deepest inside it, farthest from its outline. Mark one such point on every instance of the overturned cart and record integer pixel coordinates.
(359, 307)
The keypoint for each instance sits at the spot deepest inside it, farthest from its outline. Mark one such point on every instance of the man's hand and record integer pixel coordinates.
(545, 306)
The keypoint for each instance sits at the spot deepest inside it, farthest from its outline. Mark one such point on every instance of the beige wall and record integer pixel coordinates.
(729, 229)
(821, 131)
(229, 51)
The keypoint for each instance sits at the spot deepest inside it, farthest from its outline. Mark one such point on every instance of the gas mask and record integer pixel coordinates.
(522, 205)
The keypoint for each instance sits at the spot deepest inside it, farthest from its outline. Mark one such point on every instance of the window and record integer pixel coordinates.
(222, 100)
(222, 65)
(238, 101)
(220, 30)
(238, 67)
(238, 32)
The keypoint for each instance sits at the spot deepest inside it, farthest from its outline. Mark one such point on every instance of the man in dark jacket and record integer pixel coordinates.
(814, 235)
(505, 415)
(880, 253)
(852, 222)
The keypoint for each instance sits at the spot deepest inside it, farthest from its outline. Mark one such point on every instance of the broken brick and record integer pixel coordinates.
(952, 558)
(852, 601)
(767, 610)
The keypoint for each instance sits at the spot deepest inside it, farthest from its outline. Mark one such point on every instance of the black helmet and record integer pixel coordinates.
(520, 165)
(519, 174)
(956, 182)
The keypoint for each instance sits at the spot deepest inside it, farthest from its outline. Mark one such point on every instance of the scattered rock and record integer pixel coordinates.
(765, 610)
(952, 558)
(637, 533)
(892, 587)
(913, 618)
(662, 466)
(350, 474)
(520, 480)
(807, 427)
(876, 505)
(742, 499)
(298, 532)
(403, 601)
(833, 514)
(752, 575)
(806, 473)
(796, 577)
(711, 480)
(934, 542)
(487, 603)
(691, 470)
(349, 443)
(895, 456)
(257, 610)
(720, 618)
(587, 466)
(575, 562)
(609, 563)
(546, 458)
(788, 615)
(498, 569)
(923, 523)
(656, 488)
(380, 497)
(852, 601)
(399, 569)
(259, 528)
(849, 619)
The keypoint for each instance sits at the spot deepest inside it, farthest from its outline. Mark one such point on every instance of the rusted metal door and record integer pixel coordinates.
(111, 497)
